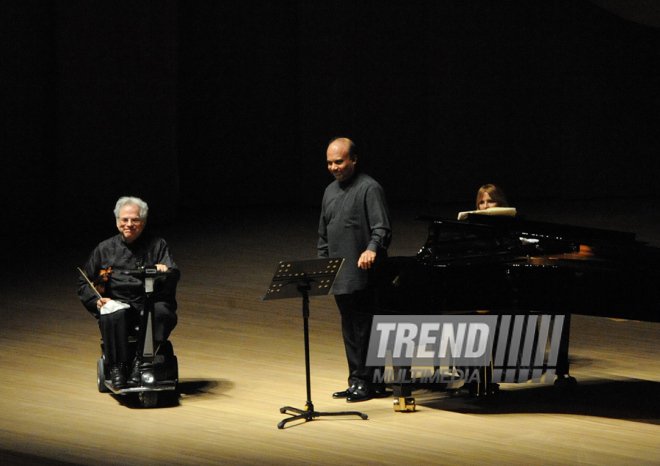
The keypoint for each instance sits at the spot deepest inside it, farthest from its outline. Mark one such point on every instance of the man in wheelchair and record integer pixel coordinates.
(122, 295)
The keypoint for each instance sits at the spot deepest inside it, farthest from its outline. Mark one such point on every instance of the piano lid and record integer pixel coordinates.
(533, 229)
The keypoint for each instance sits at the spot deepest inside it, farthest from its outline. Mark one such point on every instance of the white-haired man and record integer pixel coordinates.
(129, 250)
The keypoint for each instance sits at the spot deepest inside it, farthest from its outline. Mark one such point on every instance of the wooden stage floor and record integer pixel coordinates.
(241, 359)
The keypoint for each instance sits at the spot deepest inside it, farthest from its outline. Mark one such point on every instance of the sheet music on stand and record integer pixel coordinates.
(317, 274)
(500, 211)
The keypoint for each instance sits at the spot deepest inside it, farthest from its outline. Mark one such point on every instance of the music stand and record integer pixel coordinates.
(305, 278)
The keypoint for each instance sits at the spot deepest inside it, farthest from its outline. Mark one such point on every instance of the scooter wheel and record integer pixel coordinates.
(100, 376)
(148, 399)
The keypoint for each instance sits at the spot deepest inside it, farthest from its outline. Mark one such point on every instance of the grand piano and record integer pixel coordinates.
(522, 271)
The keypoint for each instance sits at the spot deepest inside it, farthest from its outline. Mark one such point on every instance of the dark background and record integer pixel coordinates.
(201, 106)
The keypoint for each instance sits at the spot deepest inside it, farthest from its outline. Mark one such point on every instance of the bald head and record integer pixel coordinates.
(344, 144)
(341, 158)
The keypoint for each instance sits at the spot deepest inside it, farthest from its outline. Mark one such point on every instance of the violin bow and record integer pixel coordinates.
(90, 283)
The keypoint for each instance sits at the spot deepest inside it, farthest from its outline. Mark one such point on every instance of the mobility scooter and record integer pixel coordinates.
(159, 371)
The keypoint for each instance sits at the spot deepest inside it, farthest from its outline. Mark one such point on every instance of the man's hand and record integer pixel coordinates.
(366, 260)
(161, 268)
(101, 302)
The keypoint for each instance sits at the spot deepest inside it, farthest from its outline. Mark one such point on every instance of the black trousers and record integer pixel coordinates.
(356, 311)
(118, 326)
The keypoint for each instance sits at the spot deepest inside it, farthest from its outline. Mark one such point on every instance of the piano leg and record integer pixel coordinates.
(402, 390)
(562, 360)
(564, 380)
(485, 385)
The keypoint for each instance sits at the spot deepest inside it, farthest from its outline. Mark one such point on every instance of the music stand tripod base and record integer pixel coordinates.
(306, 278)
(309, 414)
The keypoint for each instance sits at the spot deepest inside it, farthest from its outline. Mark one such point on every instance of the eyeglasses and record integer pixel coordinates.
(125, 220)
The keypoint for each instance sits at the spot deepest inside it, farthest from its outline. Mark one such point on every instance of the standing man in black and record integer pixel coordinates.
(354, 225)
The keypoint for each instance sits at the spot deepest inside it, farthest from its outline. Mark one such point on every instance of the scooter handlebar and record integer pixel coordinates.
(147, 271)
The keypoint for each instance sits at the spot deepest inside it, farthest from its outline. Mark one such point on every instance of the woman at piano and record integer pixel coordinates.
(490, 195)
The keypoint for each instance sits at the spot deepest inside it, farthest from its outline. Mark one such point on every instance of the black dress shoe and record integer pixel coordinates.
(137, 369)
(118, 376)
(346, 393)
(134, 379)
(360, 394)
(381, 393)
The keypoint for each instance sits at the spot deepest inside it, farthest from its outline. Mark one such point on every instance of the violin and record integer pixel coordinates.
(101, 281)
